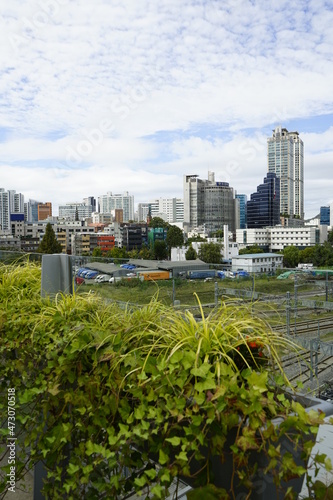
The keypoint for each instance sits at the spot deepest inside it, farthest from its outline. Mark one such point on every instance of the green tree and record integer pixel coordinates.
(49, 243)
(250, 249)
(118, 253)
(134, 253)
(323, 255)
(330, 237)
(158, 222)
(217, 234)
(160, 250)
(195, 238)
(190, 254)
(146, 252)
(174, 238)
(291, 256)
(97, 252)
(210, 253)
(306, 255)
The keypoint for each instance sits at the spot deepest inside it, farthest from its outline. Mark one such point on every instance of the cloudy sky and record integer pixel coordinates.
(130, 95)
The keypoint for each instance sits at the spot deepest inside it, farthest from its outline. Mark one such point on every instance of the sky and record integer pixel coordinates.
(102, 96)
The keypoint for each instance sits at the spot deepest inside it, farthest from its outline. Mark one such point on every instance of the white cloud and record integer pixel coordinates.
(151, 67)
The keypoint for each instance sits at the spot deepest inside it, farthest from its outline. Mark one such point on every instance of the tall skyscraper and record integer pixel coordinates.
(31, 211)
(325, 216)
(242, 210)
(263, 209)
(10, 203)
(5, 210)
(285, 156)
(209, 203)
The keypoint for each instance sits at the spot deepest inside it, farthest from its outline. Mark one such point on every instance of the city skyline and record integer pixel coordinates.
(131, 96)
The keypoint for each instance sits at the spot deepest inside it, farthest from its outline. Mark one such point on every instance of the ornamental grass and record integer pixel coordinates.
(115, 401)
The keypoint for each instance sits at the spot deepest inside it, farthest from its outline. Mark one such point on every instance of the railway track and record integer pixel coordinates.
(307, 327)
(298, 366)
(322, 370)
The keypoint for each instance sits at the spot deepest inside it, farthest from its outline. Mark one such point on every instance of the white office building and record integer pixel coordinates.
(109, 202)
(75, 211)
(276, 238)
(169, 209)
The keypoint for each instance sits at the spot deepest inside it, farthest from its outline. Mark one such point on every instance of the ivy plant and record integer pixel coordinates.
(118, 401)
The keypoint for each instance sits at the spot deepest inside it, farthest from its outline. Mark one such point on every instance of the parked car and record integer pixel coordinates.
(90, 275)
(101, 278)
(242, 274)
(82, 270)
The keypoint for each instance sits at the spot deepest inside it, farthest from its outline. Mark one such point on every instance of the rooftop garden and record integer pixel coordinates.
(113, 402)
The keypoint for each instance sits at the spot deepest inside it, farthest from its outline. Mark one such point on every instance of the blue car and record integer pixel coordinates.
(90, 274)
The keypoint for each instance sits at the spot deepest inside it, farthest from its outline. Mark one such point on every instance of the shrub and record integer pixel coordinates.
(114, 401)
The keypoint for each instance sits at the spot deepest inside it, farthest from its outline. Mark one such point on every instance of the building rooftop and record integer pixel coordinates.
(257, 255)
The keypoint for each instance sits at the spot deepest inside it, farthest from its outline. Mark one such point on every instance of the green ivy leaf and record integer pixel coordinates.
(205, 385)
(151, 473)
(72, 469)
(141, 481)
(162, 457)
(175, 441)
(201, 371)
(182, 456)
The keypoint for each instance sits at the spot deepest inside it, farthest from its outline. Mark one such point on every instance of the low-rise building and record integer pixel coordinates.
(257, 262)
(82, 243)
(105, 242)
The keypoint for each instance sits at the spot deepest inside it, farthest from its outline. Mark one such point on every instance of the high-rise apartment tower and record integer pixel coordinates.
(285, 156)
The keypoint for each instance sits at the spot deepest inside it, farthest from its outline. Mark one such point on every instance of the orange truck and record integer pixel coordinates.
(154, 275)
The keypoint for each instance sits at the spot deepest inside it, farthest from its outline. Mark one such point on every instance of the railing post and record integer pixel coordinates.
(57, 275)
(288, 313)
(295, 294)
(56, 278)
(311, 360)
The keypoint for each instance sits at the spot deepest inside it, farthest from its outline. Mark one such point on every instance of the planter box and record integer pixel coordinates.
(264, 487)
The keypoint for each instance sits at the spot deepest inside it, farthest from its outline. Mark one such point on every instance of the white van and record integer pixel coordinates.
(114, 279)
(101, 278)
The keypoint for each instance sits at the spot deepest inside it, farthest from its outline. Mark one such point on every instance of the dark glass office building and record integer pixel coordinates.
(242, 210)
(263, 208)
(325, 216)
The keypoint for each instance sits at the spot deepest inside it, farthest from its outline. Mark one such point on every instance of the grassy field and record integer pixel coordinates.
(186, 293)
(138, 292)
